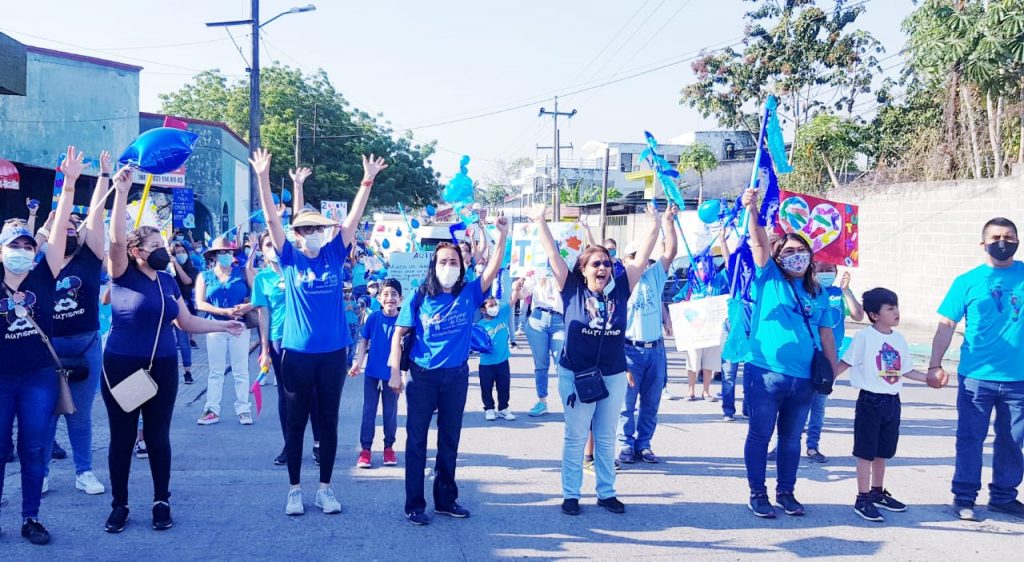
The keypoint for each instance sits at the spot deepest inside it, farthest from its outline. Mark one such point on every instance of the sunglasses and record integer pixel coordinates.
(596, 264)
(304, 230)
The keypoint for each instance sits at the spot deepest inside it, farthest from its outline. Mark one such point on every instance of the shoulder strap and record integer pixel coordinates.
(800, 307)
(42, 334)
(160, 325)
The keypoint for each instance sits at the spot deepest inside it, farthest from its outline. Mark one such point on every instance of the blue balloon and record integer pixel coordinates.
(414, 223)
(287, 196)
(431, 211)
(277, 200)
(160, 150)
(709, 211)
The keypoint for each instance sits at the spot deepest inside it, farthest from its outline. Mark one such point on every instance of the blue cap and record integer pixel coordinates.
(12, 232)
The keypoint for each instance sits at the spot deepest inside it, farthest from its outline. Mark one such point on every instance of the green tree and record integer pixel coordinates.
(334, 134)
(579, 194)
(701, 159)
(824, 151)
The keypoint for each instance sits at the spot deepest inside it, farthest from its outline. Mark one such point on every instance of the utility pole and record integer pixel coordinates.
(604, 195)
(556, 200)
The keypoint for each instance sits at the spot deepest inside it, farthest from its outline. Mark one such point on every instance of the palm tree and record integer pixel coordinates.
(700, 158)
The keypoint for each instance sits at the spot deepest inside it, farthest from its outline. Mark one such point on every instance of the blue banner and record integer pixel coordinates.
(184, 209)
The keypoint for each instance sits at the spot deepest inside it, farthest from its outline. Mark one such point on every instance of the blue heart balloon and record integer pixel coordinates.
(431, 211)
(160, 150)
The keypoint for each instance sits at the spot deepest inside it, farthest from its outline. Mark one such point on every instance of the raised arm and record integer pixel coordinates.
(723, 243)
(494, 263)
(72, 168)
(92, 232)
(372, 166)
(758, 236)
(638, 265)
(558, 266)
(668, 227)
(852, 304)
(299, 178)
(118, 257)
(261, 165)
(33, 210)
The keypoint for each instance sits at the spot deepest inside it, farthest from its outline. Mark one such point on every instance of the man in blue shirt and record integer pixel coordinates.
(646, 363)
(990, 299)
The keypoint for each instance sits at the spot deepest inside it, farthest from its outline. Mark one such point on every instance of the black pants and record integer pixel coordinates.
(491, 375)
(156, 416)
(443, 390)
(282, 401)
(309, 376)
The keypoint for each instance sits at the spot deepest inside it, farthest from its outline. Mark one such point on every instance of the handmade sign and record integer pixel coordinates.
(528, 256)
(830, 227)
(698, 324)
(184, 209)
(410, 268)
(334, 210)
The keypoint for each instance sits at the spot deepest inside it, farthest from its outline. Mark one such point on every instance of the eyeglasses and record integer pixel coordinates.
(304, 230)
(596, 264)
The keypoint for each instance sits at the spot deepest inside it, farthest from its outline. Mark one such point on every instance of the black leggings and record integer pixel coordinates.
(282, 401)
(308, 376)
(156, 416)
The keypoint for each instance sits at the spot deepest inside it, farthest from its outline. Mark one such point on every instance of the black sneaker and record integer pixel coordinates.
(281, 460)
(571, 506)
(316, 455)
(761, 505)
(418, 518)
(193, 344)
(884, 500)
(787, 501)
(455, 510)
(626, 456)
(141, 452)
(117, 520)
(867, 509)
(162, 516)
(34, 531)
(58, 453)
(648, 456)
(188, 378)
(1013, 507)
(612, 504)
(816, 456)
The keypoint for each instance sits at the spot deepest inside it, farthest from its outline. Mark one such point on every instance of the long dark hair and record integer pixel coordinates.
(431, 286)
(584, 259)
(810, 283)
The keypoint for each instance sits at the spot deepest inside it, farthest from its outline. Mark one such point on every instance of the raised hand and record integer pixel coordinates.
(260, 162)
(123, 180)
(73, 164)
(749, 199)
(106, 163)
(300, 176)
(539, 213)
(372, 165)
(670, 213)
(844, 281)
(652, 212)
(502, 225)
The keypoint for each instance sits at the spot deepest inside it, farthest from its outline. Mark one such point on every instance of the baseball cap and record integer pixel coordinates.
(13, 231)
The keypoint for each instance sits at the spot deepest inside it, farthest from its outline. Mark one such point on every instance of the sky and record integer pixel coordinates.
(436, 67)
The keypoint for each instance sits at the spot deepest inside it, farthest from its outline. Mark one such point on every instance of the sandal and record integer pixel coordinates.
(708, 397)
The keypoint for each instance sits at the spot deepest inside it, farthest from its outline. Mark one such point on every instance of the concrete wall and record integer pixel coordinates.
(916, 238)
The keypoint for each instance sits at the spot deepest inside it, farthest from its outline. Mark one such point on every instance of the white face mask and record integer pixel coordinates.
(314, 241)
(271, 255)
(492, 311)
(447, 275)
(18, 260)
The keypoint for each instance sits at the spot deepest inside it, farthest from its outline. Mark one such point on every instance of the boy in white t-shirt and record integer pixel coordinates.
(878, 359)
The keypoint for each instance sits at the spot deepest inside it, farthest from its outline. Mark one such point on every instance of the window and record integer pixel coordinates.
(626, 162)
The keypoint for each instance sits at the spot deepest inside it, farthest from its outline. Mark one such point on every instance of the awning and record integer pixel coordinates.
(9, 177)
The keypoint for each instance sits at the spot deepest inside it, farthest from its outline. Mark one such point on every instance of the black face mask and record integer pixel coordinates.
(158, 259)
(71, 246)
(1001, 250)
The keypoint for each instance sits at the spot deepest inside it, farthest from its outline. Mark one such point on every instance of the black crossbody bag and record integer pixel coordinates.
(822, 376)
(589, 383)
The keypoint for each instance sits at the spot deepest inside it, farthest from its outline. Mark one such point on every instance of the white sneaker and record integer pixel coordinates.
(245, 418)
(325, 499)
(88, 483)
(666, 395)
(294, 505)
(46, 485)
(506, 414)
(489, 415)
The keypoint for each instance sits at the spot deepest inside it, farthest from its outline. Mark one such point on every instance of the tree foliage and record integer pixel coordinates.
(824, 153)
(334, 134)
(581, 193)
(701, 159)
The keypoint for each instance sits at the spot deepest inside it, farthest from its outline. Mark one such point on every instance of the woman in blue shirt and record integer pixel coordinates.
(222, 291)
(789, 321)
(595, 305)
(440, 314)
(316, 336)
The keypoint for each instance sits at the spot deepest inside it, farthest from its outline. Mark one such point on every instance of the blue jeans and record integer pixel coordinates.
(774, 399)
(185, 347)
(546, 334)
(601, 417)
(31, 397)
(816, 420)
(374, 391)
(730, 370)
(649, 368)
(87, 346)
(443, 390)
(975, 401)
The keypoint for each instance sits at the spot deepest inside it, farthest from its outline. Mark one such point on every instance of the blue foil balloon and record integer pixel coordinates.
(160, 150)
(709, 211)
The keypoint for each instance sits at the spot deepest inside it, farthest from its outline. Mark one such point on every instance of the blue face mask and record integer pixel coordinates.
(225, 260)
(612, 253)
(826, 278)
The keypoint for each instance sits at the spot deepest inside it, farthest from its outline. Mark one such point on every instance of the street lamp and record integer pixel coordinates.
(255, 117)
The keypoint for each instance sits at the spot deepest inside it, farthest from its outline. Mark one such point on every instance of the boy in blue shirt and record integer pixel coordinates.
(375, 341)
(494, 367)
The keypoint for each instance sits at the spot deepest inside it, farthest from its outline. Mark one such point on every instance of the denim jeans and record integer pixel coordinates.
(546, 334)
(730, 370)
(975, 401)
(774, 399)
(443, 390)
(649, 368)
(816, 420)
(601, 417)
(83, 393)
(185, 347)
(377, 391)
(31, 398)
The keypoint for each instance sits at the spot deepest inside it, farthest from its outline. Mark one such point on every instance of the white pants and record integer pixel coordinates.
(218, 348)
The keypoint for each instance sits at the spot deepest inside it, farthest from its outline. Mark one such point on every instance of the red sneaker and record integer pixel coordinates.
(390, 459)
(364, 459)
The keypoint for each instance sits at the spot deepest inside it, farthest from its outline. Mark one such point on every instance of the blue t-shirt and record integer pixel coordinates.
(315, 320)
(76, 310)
(359, 274)
(377, 332)
(21, 347)
(779, 341)
(497, 330)
(442, 325)
(268, 292)
(644, 314)
(990, 300)
(228, 293)
(135, 303)
(588, 315)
